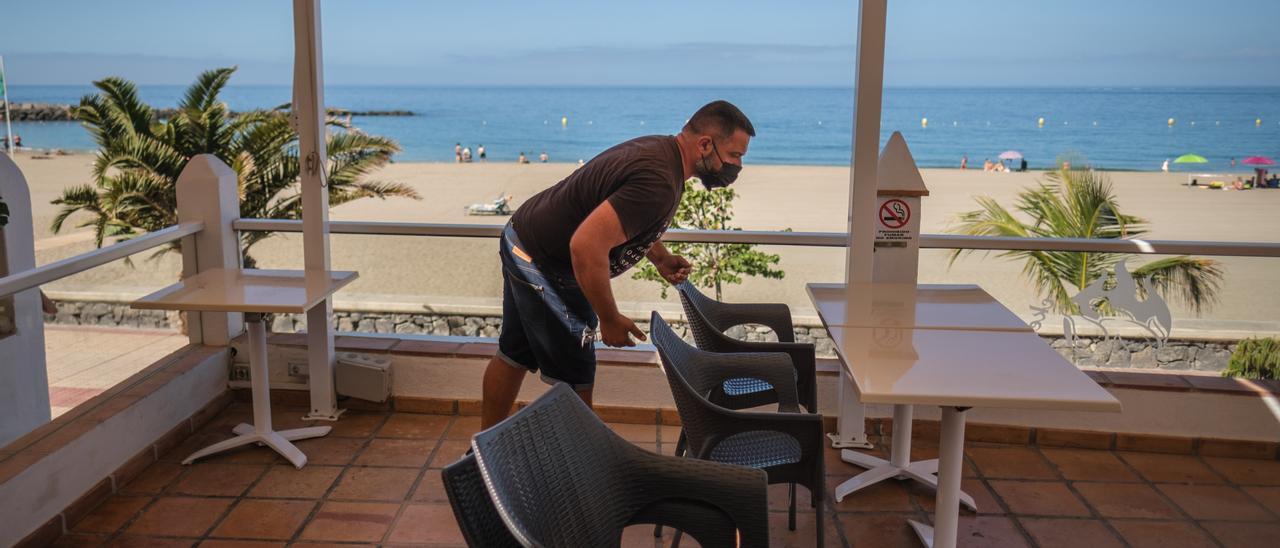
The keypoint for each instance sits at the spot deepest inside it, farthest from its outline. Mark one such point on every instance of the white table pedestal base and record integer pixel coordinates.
(260, 431)
(946, 511)
(923, 531)
(898, 466)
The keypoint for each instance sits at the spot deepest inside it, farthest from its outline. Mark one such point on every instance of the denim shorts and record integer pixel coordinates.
(547, 323)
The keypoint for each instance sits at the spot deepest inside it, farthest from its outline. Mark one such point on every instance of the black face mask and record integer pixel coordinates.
(713, 179)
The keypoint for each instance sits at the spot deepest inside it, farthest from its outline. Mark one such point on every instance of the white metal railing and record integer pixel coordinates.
(811, 239)
(55, 271)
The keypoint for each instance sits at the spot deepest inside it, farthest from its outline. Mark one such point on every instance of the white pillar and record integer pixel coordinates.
(868, 91)
(309, 118)
(859, 258)
(208, 192)
(24, 380)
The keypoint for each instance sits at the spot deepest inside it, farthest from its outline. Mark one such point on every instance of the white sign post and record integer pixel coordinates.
(896, 260)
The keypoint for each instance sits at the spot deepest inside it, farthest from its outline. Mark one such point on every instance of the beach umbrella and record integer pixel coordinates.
(1258, 161)
(1191, 159)
(1010, 155)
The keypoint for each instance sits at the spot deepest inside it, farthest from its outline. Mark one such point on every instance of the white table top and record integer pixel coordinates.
(263, 291)
(963, 368)
(923, 306)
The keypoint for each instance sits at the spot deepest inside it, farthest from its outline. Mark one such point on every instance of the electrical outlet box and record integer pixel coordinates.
(299, 369)
(240, 372)
(363, 376)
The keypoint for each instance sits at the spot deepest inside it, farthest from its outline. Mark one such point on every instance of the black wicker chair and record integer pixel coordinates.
(786, 445)
(709, 319)
(479, 520)
(558, 477)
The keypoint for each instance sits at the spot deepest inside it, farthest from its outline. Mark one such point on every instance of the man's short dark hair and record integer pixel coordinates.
(719, 118)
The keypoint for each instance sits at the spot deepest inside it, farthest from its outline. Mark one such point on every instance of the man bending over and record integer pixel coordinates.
(565, 243)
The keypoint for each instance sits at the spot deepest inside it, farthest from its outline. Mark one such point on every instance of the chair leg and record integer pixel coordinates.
(679, 452)
(818, 518)
(675, 540)
(791, 518)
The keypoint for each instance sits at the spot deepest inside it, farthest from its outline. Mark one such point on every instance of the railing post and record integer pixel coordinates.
(24, 379)
(208, 192)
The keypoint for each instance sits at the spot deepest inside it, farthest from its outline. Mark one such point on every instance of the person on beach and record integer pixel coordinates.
(543, 157)
(964, 162)
(1165, 166)
(522, 159)
(457, 152)
(466, 154)
(480, 151)
(563, 245)
(986, 164)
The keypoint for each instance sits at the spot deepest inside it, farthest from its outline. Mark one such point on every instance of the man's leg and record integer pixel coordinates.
(501, 385)
(585, 394)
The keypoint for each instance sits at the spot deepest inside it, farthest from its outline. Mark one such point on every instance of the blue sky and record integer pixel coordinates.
(653, 42)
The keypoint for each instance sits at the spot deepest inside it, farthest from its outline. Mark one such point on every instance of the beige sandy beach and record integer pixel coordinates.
(413, 272)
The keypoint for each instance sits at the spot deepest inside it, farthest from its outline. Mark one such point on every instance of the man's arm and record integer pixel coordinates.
(657, 253)
(673, 268)
(589, 249)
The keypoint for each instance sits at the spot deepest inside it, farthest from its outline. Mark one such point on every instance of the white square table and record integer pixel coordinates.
(906, 305)
(921, 355)
(254, 292)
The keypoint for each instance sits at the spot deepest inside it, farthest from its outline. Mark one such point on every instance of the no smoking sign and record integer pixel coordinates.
(895, 214)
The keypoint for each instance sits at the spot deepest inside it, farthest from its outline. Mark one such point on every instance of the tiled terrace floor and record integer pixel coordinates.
(376, 481)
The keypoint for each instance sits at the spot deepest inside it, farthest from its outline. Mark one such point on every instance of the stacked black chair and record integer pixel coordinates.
(709, 319)
(479, 520)
(558, 477)
(787, 445)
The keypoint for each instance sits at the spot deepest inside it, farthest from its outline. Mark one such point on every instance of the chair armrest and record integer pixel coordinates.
(774, 368)
(738, 491)
(775, 316)
(805, 427)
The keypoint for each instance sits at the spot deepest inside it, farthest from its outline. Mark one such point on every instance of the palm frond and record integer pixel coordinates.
(1194, 281)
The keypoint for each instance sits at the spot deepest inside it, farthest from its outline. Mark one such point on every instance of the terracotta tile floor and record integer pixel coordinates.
(375, 480)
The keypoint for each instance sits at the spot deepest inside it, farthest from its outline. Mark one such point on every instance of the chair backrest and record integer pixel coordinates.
(479, 520)
(549, 471)
(679, 360)
(709, 318)
(695, 305)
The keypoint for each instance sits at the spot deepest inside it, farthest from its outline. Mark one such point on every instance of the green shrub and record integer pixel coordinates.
(1255, 359)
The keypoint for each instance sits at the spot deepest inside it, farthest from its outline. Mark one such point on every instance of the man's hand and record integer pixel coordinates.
(674, 268)
(616, 331)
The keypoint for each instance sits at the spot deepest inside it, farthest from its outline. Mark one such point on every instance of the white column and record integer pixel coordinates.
(868, 89)
(208, 192)
(859, 258)
(24, 380)
(309, 117)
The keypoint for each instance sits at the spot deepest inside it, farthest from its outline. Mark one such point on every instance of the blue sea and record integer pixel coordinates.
(1113, 128)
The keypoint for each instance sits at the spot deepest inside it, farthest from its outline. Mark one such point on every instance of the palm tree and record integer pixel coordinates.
(1079, 203)
(136, 168)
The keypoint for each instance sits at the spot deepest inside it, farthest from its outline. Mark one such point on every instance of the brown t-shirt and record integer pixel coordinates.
(642, 179)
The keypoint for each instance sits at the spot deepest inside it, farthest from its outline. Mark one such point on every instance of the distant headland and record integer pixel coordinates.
(48, 112)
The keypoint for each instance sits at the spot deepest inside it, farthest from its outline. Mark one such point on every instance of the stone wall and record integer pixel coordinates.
(1112, 353)
(111, 315)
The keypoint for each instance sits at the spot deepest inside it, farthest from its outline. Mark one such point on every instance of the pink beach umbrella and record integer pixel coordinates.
(1258, 161)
